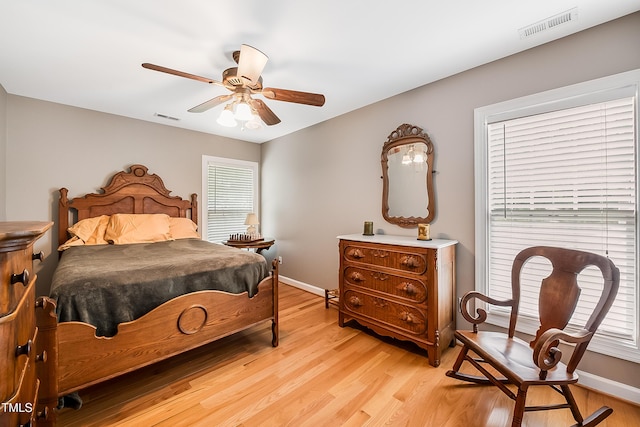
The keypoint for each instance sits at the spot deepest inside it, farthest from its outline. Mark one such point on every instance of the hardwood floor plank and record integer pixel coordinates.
(320, 375)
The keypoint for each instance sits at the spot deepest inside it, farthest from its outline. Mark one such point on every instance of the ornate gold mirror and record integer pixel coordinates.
(407, 169)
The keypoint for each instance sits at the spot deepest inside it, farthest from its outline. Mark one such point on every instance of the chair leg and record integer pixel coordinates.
(486, 379)
(566, 391)
(454, 372)
(461, 356)
(518, 410)
(594, 419)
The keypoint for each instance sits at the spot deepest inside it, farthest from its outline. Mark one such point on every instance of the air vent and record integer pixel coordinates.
(549, 23)
(164, 116)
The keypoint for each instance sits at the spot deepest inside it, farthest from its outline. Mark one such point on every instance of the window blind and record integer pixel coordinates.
(230, 197)
(566, 178)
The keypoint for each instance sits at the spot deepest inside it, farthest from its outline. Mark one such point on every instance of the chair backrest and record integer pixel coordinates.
(559, 292)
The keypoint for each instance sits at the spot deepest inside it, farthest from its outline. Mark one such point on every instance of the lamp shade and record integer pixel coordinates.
(243, 112)
(253, 124)
(252, 219)
(226, 118)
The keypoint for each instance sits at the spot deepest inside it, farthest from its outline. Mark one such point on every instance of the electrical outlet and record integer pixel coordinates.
(279, 260)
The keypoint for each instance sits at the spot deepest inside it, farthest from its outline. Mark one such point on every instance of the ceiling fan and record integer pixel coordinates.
(244, 81)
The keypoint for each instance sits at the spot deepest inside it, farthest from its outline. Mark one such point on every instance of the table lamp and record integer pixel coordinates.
(251, 221)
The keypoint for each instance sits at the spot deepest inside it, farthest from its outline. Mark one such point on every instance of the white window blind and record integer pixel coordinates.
(560, 169)
(566, 178)
(230, 188)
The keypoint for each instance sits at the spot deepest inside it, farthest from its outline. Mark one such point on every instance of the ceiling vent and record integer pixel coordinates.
(549, 23)
(164, 116)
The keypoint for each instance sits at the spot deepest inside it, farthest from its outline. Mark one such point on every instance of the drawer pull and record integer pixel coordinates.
(44, 414)
(355, 302)
(357, 277)
(39, 256)
(42, 357)
(407, 317)
(24, 349)
(409, 288)
(356, 253)
(20, 278)
(409, 262)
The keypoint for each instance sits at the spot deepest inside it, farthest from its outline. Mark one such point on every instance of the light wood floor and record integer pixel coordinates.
(320, 375)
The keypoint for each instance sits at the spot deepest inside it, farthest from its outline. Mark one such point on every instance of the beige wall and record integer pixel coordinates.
(51, 146)
(325, 180)
(3, 151)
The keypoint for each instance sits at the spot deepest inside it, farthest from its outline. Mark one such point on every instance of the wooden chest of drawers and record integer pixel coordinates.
(400, 287)
(18, 332)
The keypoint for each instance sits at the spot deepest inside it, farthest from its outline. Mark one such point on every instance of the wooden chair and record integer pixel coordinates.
(523, 364)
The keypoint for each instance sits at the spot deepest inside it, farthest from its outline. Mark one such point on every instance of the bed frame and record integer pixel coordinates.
(76, 358)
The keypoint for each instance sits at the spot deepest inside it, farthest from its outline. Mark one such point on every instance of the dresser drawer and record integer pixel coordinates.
(409, 289)
(409, 319)
(14, 268)
(20, 408)
(406, 261)
(18, 338)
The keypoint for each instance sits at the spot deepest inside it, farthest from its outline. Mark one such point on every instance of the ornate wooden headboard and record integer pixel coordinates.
(133, 192)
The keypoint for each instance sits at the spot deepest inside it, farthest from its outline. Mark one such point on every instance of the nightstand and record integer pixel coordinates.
(258, 245)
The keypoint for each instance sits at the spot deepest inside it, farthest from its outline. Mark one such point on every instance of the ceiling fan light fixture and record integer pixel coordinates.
(226, 118)
(253, 124)
(243, 112)
(244, 81)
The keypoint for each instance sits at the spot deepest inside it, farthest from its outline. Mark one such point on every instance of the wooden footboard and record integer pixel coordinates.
(77, 358)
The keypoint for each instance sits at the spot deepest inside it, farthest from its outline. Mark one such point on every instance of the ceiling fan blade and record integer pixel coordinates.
(286, 95)
(251, 63)
(265, 113)
(180, 73)
(210, 103)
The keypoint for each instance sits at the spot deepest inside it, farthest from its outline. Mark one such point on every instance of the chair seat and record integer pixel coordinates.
(513, 358)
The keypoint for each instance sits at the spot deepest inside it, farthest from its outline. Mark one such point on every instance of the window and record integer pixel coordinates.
(230, 192)
(560, 169)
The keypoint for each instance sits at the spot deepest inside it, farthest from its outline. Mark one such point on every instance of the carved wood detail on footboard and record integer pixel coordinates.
(78, 359)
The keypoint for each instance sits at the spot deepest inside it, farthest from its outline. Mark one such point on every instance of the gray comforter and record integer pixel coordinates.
(106, 285)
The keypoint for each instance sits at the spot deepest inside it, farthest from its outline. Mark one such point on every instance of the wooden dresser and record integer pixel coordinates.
(18, 332)
(400, 287)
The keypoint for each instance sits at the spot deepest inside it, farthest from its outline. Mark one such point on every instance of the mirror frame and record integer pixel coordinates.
(407, 134)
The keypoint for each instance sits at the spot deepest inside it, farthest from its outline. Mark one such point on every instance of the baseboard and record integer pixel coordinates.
(610, 387)
(594, 382)
(301, 285)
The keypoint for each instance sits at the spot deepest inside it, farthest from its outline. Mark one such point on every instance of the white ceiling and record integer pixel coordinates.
(87, 53)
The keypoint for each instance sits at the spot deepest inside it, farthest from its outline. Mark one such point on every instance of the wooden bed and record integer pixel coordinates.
(76, 358)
